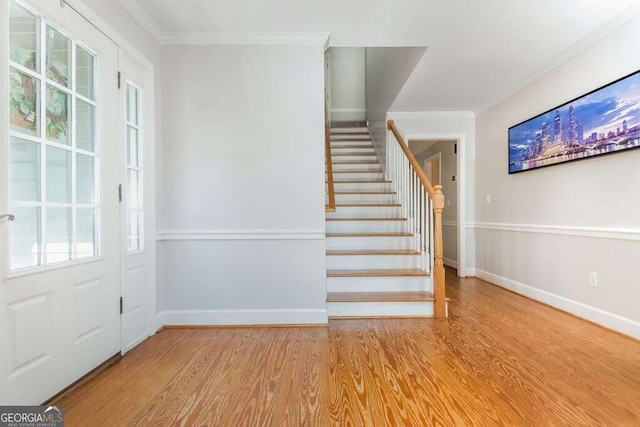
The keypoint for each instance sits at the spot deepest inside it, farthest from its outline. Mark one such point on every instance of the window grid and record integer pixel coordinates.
(45, 143)
(133, 120)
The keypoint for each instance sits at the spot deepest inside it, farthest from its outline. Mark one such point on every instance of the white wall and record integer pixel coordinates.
(348, 84)
(388, 68)
(242, 214)
(546, 229)
(448, 169)
(449, 125)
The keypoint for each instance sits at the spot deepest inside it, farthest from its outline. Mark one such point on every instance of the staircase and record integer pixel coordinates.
(373, 266)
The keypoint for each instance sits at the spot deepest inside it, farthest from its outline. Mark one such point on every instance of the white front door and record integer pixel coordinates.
(61, 162)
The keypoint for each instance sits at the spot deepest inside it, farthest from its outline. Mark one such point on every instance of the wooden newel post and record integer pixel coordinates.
(438, 268)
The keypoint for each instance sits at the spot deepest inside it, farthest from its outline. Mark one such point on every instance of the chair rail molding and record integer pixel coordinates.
(562, 230)
(241, 234)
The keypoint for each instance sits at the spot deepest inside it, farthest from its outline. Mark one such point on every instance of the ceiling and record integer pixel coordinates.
(477, 50)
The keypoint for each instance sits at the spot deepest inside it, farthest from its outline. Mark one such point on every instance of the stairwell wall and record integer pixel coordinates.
(242, 214)
(448, 170)
(545, 230)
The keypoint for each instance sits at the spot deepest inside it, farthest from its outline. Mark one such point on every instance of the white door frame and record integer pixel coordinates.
(461, 183)
(429, 160)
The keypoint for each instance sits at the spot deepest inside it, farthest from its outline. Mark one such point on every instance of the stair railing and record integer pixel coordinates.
(330, 205)
(422, 204)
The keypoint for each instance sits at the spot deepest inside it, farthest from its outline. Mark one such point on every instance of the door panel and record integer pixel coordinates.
(135, 244)
(60, 320)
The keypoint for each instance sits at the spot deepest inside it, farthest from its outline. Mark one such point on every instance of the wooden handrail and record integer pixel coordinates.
(331, 207)
(412, 160)
(435, 193)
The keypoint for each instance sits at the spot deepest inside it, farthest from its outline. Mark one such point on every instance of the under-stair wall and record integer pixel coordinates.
(241, 216)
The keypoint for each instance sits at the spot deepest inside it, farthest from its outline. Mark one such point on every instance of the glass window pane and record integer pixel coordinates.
(23, 37)
(58, 57)
(58, 175)
(58, 116)
(24, 172)
(84, 72)
(85, 122)
(84, 179)
(24, 238)
(24, 113)
(86, 233)
(132, 105)
(134, 189)
(132, 147)
(134, 238)
(58, 234)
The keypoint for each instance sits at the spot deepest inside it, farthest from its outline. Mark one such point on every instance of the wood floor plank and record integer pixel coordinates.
(500, 359)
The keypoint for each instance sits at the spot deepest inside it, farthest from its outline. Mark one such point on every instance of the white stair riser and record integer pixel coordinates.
(379, 284)
(355, 158)
(356, 151)
(365, 262)
(340, 137)
(370, 309)
(342, 143)
(370, 243)
(367, 226)
(365, 212)
(358, 176)
(365, 198)
(356, 167)
(362, 186)
(339, 130)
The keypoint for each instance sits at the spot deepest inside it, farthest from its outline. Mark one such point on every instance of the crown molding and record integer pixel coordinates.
(391, 115)
(629, 13)
(208, 38)
(143, 17)
(237, 39)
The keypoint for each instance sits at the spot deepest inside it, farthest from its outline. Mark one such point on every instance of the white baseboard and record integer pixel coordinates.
(242, 317)
(593, 314)
(450, 262)
(469, 272)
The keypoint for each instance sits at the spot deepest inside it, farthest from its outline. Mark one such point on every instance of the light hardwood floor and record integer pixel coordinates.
(500, 359)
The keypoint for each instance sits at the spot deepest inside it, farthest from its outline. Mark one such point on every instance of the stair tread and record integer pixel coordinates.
(366, 219)
(379, 296)
(367, 205)
(365, 192)
(353, 154)
(355, 181)
(352, 147)
(359, 171)
(368, 234)
(372, 252)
